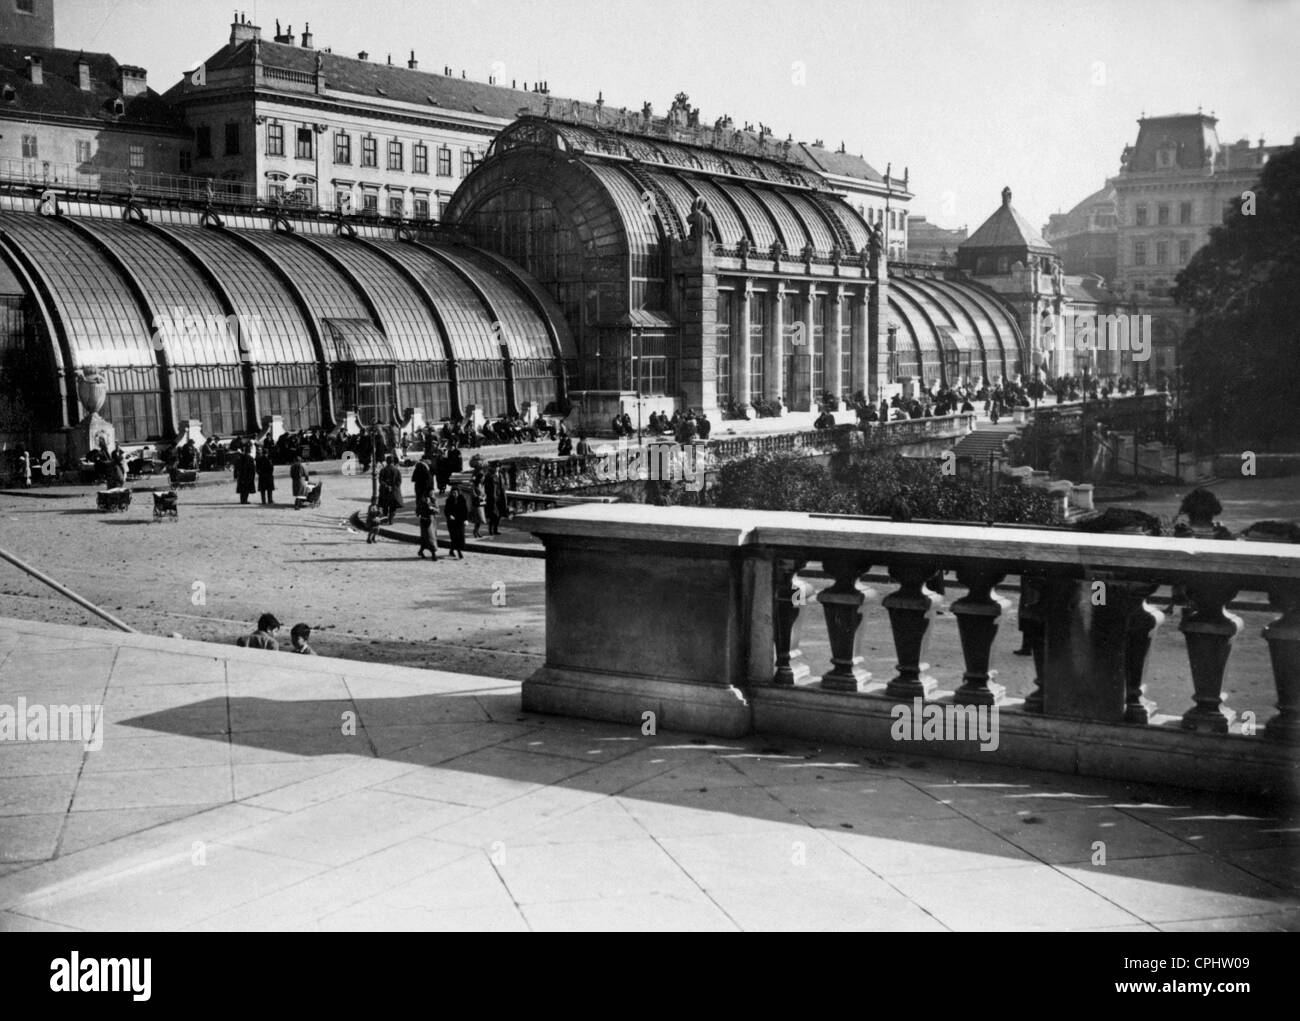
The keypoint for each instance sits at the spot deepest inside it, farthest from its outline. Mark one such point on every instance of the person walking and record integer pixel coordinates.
(245, 474)
(265, 474)
(422, 480)
(390, 488)
(300, 477)
(478, 503)
(456, 510)
(498, 507)
(425, 510)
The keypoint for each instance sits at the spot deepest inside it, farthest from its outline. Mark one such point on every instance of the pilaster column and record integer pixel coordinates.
(774, 353)
(860, 309)
(740, 372)
(810, 344)
(834, 325)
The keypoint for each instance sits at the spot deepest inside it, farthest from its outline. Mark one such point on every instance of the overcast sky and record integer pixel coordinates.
(1035, 94)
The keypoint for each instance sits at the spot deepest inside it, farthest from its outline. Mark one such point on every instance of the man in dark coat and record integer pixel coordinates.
(390, 488)
(456, 510)
(245, 475)
(497, 507)
(265, 474)
(300, 476)
(422, 480)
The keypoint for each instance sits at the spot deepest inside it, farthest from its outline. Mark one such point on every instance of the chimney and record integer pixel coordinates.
(363, 55)
(83, 73)
(306, 36)
(134, 81)
(242, 30)
(283, 37)
(413, 64)
(36, 69)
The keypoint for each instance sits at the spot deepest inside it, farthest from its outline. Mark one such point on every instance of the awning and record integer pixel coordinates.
(358, 341)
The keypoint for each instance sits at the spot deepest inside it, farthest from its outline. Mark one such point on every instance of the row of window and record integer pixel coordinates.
(1161, 251)
(1142, 213)
(32, 151)
(897, 217)
(279, 189)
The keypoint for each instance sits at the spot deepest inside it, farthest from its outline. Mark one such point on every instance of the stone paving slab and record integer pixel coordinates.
(237, 790)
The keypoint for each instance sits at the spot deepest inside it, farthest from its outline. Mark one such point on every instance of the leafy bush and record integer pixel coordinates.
(873, 485)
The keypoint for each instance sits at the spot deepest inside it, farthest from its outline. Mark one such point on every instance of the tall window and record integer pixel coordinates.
(1162, 213)
(30, 149)
(203, 141)
(723, 361)
(444, 161)
(395, 156)
(420, 159)
(819, 345)
(1184, 251)
(275, 139)
(846, 350)
(395, 206)
(1162, 252)
(342, 147)
(137, 157)
(468, 160)
(370, 202)
(83, 152)
(1140, 212)
(757, 335)
(305, 143)
(1184, 212)
(186, 161)
(369, 152)
(343, 200)
(1139, 253)
(275, 188)
(232, 139)
(442, 208)
(421, 208)
(25, 6)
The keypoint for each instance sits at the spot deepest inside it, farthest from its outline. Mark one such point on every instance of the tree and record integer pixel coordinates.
(1241, 356)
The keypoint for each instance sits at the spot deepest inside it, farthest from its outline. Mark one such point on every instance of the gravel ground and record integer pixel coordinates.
(211, 574)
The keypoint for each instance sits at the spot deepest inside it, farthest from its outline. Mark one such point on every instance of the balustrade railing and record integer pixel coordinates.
(730, 605)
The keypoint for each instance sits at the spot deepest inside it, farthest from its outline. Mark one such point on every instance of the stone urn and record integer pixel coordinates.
(92, 389)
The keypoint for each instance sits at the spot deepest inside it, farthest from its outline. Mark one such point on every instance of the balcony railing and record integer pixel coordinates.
(179, 187)
(709, 642)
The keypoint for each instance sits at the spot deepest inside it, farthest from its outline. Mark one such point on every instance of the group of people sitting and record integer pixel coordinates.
(268, 627)
(684, 428)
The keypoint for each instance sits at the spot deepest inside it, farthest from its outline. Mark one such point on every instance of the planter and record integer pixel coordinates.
(92, 391)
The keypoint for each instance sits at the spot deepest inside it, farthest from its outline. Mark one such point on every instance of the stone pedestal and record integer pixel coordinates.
(86, 434)
(273, 426)
(190, 429)
(1082, 497)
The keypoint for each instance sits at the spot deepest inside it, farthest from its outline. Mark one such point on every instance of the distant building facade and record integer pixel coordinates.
(1175, 183)
(27, 23)
(928, 242)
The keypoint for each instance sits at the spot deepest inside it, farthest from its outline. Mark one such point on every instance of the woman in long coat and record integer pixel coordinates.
(478, 503)
(245, 475)
(390, 488)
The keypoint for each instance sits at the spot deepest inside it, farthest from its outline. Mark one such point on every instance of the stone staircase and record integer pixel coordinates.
(986, 439)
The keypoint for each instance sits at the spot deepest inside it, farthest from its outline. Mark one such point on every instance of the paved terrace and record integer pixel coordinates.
(227, 795)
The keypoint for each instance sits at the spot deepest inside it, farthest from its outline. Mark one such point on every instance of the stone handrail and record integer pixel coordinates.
(714, 647)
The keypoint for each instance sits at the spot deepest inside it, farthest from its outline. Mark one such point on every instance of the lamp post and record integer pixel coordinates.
(636, 379)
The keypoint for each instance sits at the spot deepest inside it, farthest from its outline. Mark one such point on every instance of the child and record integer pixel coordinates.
(298, 635)
(372, 523)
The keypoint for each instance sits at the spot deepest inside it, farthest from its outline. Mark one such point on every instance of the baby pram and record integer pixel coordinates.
(310, 499)
(113, 500)
(164, 506)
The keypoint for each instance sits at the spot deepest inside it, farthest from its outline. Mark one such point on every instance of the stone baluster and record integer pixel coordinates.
(1141, 620)
(1031, 624)
(1283, 637)
(977, 615)
(789, 595)
(911, 610)
(842, 605)
(1209, 631)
